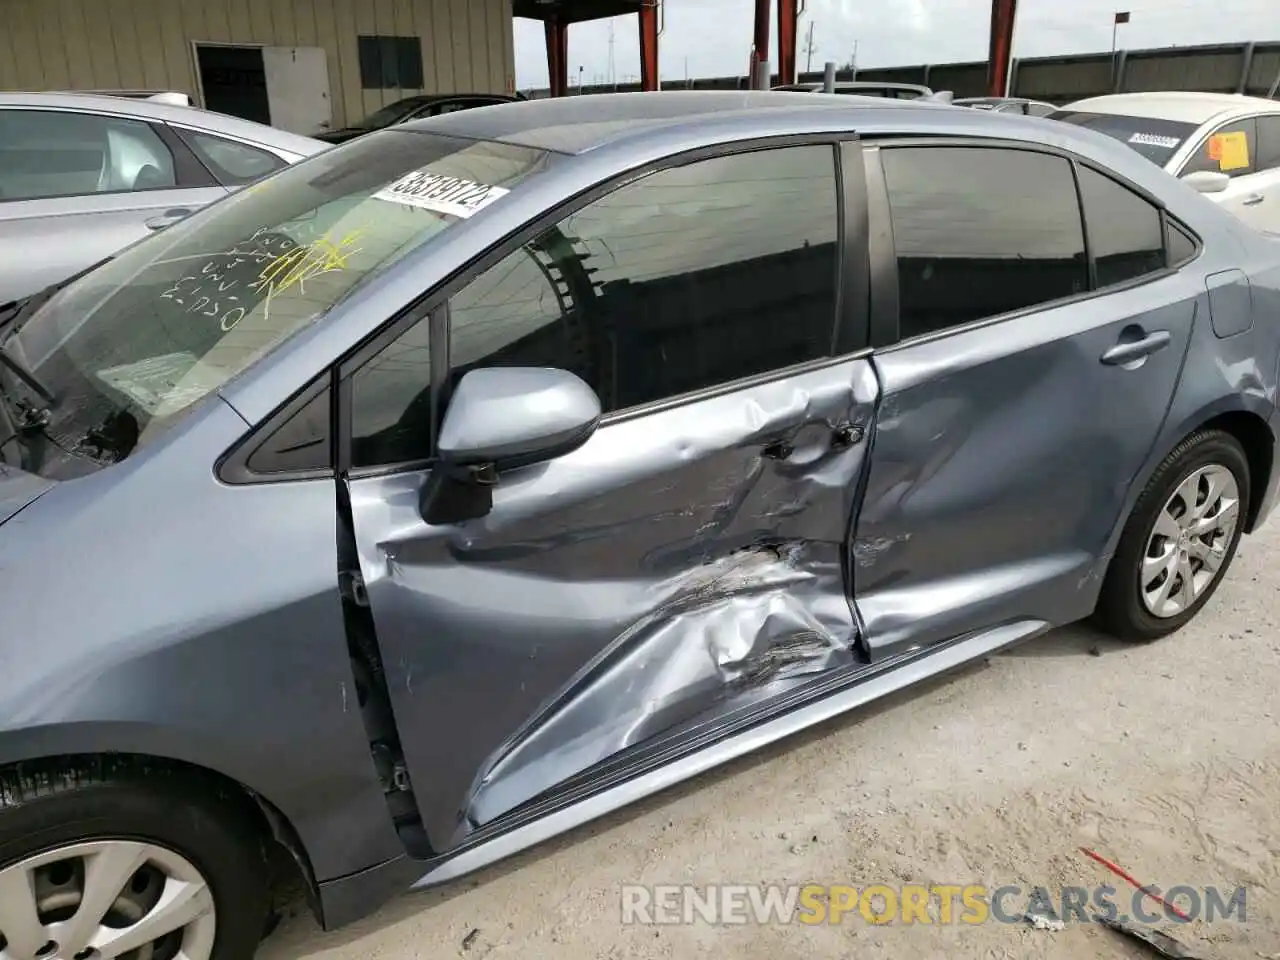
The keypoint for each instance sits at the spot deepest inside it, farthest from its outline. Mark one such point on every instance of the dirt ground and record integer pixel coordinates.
(1164, 758)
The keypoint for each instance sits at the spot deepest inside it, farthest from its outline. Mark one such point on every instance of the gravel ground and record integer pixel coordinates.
(1164, 758)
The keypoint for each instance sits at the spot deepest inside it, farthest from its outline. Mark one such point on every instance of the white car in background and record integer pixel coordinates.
(84, 175)
(1225, 145)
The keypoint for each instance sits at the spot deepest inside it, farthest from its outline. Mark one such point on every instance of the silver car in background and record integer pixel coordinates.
(82, 176)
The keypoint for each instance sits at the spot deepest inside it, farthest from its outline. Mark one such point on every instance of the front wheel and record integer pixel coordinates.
(99, 867)
(1179, 540)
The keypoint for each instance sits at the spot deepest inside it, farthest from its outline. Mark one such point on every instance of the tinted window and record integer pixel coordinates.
(687, 278)
(232, 163)
(390, 63)
(981, 232)
(1268, 143)
(1157, 140)
(1126, 236)
(1181, 245)
(52, 154)
(1229, 149)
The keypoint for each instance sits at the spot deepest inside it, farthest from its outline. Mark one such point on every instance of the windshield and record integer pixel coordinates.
(391, 114)
(1157, 140)
(130, 347)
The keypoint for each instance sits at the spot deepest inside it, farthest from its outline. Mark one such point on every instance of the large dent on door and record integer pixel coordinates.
(655, 582)
(758, 604)
(722, 636)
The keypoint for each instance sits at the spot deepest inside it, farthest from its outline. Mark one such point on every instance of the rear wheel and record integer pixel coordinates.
(1179, 540)
(101, 867)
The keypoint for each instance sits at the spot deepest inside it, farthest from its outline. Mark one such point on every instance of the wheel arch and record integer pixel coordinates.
(264, 814)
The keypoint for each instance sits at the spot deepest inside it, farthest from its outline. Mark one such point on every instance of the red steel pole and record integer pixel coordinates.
(649, 46)
(786, 41)
(760, 46)
(1001, 49)
(557, 32)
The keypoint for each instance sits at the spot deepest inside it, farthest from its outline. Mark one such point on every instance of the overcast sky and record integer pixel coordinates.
(713, 37)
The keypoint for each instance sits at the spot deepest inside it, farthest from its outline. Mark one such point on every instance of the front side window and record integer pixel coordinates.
(47, 153)
(1126, 236)
(1229, 149)
(980, 232)
(130, 347)
(687, 278)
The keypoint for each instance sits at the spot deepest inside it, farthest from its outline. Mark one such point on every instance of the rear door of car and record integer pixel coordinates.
(75, 187)
(684, 567)
(1024, 382)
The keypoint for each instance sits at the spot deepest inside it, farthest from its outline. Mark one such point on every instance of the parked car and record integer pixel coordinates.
(415, 108)
(486, 474)
(1227, 146)
(82, 176)
(864, 88)
(1017, 105)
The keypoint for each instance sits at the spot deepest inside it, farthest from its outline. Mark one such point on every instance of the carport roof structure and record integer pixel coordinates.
(556, 16)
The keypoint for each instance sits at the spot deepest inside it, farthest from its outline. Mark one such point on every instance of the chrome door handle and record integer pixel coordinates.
(167, 219)
(1131, 350)
(1253, 200)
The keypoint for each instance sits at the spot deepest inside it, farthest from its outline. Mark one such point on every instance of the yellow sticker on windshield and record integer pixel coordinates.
(1231, 150)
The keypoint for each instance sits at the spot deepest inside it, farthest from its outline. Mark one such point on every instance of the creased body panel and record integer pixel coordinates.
(1003, 456)
(680, 565)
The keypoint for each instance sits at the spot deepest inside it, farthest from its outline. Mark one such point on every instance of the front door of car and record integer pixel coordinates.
(1023, 385)
(682, 567)
(77, 187)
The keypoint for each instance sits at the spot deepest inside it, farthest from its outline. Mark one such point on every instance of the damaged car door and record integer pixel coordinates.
(1031, 358)
(671, 568)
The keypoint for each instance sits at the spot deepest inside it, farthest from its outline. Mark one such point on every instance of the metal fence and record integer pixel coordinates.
(1252, 68)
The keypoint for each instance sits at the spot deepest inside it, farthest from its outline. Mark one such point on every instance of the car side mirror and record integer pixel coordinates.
(500, 418)
(1207, 181)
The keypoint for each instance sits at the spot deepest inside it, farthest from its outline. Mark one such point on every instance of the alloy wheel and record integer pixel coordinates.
(1189, 541)
(105, 900)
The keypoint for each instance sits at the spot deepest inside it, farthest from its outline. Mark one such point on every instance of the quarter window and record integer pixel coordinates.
(234, 164)
(980, 232)
(59, 154)
(1230, 149)
(1126, 236)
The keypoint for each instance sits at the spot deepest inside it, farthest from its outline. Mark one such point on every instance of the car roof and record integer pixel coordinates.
(1184, 106)
(166, 113)
(580, 123)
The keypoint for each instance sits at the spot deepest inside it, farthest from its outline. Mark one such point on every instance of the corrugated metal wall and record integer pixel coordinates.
(146, 44)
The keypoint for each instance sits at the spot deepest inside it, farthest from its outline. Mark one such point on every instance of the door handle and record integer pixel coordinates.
(1252, 200)
(168, 218)
(1131, 350)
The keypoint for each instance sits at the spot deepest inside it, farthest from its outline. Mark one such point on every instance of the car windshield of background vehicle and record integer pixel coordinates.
(1157, 140)
(390, 114)
(131, 346)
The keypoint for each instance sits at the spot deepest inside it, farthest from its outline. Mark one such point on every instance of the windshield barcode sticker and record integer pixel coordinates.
(1155, 140)
(453, 196)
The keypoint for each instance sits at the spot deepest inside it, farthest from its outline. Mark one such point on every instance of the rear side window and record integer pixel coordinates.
(981, 231)
(1126, 236)
(1230, 149)
(1182, 247)
(47, 153)
(233, 163)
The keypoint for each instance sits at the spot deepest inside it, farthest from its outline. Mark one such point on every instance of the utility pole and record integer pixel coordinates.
(808, 64)
(613, 77)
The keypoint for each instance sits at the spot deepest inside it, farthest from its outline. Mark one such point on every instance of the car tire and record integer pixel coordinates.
(77, 831)
(1198, 468)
